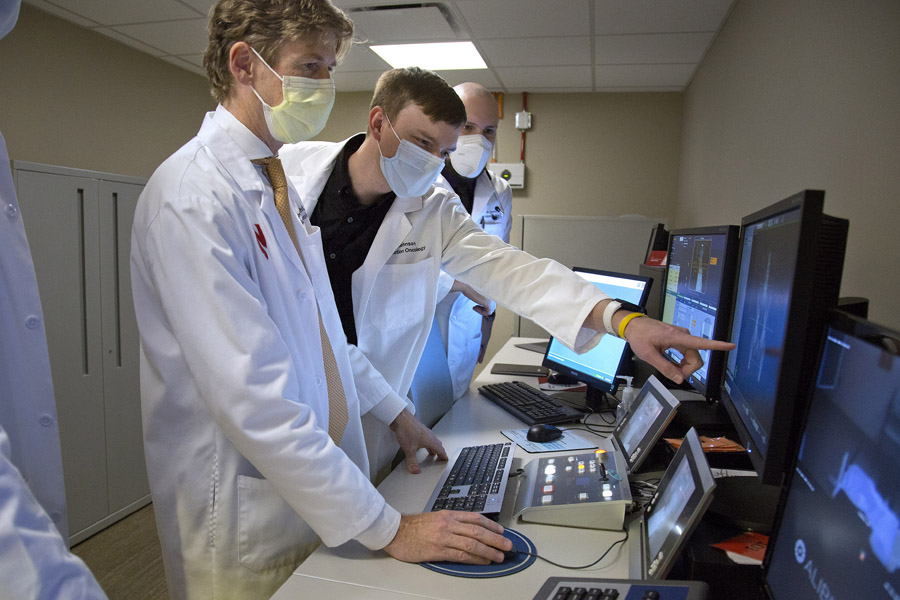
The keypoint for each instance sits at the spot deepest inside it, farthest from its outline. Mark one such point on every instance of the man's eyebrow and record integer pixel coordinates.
(421, 134)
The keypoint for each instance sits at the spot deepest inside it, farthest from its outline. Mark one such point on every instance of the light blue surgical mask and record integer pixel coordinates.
(412, 170)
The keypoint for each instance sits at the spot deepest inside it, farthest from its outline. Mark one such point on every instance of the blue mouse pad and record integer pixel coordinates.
(508, 567)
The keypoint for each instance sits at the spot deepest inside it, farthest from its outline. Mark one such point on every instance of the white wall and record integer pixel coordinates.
(803, 94)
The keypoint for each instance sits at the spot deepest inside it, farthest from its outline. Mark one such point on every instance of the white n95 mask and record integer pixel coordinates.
(9, 14)
(304, 109)
(471, 154)
(412, 170)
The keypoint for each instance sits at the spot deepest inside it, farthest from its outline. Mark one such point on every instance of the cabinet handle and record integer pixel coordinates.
(118, 316)
(85, 366)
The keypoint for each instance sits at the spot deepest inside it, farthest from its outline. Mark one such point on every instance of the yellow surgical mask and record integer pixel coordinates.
(304, 109)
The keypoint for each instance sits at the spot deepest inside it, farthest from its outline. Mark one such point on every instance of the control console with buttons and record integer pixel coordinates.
(590, 588)
(579, 490)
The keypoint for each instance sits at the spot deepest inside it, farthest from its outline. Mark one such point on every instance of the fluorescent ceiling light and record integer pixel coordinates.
(442, 56)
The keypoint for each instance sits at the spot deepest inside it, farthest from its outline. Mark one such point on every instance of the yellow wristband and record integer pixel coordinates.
(627, 319)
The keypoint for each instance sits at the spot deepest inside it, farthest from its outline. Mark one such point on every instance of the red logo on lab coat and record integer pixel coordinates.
(261, 240)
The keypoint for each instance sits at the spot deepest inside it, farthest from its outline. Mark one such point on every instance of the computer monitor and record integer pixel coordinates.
(699, 291)
(643, 423)
(676, 508)
(599, 366)
(789, 275)
(839, 531)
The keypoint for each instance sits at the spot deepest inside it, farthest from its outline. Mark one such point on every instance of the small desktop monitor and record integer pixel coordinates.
(599, 366)
(839, 531)
(680, 500)
(699, 291)
(789, 275)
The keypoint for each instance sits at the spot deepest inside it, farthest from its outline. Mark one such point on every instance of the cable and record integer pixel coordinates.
(642, 491)
(561, 566)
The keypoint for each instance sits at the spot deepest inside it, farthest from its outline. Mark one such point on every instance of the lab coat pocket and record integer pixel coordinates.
(271, 534)
(400, 295)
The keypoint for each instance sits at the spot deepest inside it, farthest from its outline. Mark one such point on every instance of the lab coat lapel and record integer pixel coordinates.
(238, 165)
(394, 229)
(313, 174)
(484, 193)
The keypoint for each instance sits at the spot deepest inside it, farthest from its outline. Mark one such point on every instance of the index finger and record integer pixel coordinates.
(699, 343)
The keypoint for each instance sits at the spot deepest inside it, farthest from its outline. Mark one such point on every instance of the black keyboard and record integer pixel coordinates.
(591, 588)
(528, 404)
(475, 481)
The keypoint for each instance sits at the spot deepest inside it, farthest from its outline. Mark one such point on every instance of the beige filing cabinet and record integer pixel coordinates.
(78, 225)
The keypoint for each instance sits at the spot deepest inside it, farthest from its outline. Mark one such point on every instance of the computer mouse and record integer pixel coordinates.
(542, 433)
(509, 555)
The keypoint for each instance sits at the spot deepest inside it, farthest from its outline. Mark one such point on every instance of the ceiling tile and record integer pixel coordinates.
(129, 41)
(644, 75)
(545, 77)
(106, 12)
(483, 76)
(201, 6)
(548, 51)
(653, 16)
(61, 12)
(187, 66)
(194, 59)
(402, 25)
(361, 58)
(175, 37)
(651, 49)
(525, 18)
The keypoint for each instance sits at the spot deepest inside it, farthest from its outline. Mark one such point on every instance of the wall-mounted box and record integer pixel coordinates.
(513, 173)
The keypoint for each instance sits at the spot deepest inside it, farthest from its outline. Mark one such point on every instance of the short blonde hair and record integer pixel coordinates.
(428, 90)
(265, 25)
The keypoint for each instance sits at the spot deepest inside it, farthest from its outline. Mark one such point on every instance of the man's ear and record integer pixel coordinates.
(240, 63)
(376, 122)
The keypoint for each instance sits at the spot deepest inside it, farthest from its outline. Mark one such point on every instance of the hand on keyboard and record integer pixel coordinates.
(413, 435)
(448, 535)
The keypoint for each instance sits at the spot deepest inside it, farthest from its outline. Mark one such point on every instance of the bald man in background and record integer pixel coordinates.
(465, 325)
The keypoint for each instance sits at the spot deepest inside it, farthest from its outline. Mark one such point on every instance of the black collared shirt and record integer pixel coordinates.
(348, 230)
(463, 186)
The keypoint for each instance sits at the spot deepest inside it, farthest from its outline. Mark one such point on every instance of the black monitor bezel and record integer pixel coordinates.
(803, 336)
(715, 373)
(853, 326)
(593, 382)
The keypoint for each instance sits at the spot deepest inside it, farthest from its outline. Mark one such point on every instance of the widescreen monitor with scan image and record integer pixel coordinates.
(789, 275)
(838, 534)
(698, 296)
(599, 366)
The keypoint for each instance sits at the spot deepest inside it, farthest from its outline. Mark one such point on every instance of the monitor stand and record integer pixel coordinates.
(745, 503)
(596, 400)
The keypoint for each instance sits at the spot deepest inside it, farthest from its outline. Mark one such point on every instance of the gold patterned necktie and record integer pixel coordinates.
(337, 401)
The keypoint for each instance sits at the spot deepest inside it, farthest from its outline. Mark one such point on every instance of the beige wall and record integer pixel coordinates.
(586, 154)
(75, 98)
(803, 94)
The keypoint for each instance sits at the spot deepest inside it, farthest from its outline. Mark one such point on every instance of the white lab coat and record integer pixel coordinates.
(35, 562)
(28, 567)
(244, 477)
(459, 324)
(398, 286)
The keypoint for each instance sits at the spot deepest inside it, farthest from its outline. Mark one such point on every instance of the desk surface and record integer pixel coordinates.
(356, 572)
